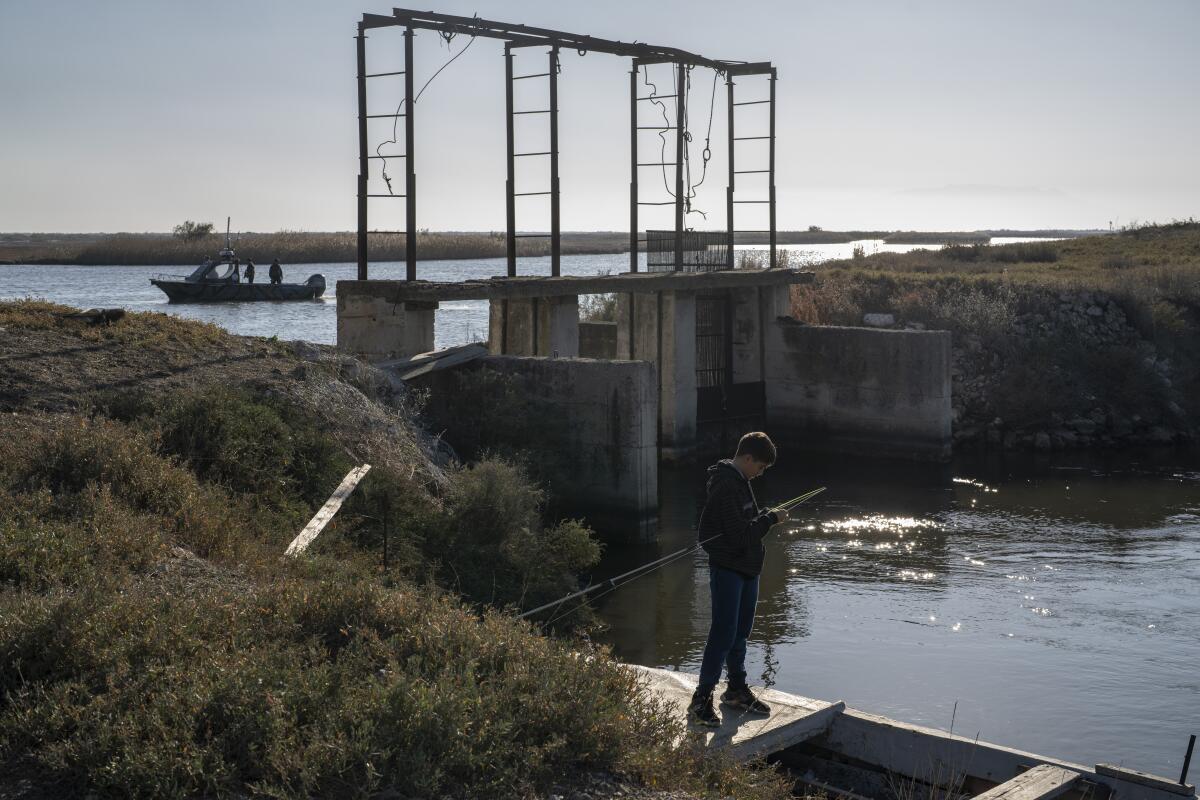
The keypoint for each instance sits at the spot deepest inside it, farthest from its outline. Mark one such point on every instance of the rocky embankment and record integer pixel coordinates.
(1095, 322)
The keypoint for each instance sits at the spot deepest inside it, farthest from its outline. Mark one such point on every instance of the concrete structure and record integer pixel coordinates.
(726, 356)
(376, 328)
(858, 390)
(603, 431)
(534, 326)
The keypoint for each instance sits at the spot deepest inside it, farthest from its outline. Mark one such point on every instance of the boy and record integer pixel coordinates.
(735, 559)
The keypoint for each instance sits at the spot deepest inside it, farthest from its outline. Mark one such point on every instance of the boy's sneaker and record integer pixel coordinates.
(701, 712)
(740, 697)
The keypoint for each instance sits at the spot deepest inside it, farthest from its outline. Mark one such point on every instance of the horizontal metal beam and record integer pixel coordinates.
(526, 36)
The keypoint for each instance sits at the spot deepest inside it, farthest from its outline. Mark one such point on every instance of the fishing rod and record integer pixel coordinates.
(645, 569)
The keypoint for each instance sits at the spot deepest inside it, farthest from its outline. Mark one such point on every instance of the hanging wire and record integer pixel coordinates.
(662, 134)
(448, 37)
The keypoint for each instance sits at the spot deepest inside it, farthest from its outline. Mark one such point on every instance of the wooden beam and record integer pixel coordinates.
(322, 517)
(1145, 779)
(1043, 782)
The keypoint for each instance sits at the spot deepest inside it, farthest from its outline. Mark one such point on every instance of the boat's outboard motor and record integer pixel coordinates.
(317, 281)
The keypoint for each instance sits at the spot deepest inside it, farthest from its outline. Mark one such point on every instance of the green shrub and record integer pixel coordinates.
(329, 687)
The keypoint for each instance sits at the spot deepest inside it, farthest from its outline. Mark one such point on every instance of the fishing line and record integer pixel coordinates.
(645, 569)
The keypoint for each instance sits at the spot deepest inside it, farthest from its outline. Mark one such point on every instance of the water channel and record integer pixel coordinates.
(1050, 604)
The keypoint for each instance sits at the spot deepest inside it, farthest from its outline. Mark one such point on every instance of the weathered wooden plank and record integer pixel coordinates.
(1043, 782)
(322, 517)
(793, 719)
(1146, 779)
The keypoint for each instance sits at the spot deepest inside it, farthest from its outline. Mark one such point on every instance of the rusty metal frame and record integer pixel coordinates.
(515, 36)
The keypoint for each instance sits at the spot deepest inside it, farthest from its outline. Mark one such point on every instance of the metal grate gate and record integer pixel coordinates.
(713, 342)
(702, 251)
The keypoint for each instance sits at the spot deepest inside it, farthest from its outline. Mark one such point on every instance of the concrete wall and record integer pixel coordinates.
(598, 340)
(376, 328)
(605, 426)
(859, 390)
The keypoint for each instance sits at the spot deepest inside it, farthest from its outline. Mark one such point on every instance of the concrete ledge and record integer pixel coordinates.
(628, 282)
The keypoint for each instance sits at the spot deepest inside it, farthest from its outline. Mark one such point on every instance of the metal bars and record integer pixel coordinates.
(515, 36)
(410, 211)
(730, 201)
(365, 158)
(511, 194)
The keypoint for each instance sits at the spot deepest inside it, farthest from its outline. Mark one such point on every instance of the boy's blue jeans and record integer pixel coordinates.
(734, 597)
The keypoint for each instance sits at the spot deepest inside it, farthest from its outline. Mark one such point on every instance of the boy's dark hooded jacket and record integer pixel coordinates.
(732, 514)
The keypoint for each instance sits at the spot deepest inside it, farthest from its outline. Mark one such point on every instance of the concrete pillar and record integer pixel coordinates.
(661, 327)
(746, 306)
(376, 329)
(558, 326)
(534, 326)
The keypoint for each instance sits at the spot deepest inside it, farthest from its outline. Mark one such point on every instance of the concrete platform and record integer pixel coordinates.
(793, 719)
(544, 286)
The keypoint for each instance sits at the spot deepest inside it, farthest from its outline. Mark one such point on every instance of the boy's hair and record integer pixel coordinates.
(758, 446)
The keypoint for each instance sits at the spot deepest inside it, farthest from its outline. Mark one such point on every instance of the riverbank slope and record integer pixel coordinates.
(155, 642)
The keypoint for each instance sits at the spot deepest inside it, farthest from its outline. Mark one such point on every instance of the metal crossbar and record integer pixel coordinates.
(383, 74)
(383, 116)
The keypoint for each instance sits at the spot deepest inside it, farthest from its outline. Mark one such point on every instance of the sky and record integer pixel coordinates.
(134, 115)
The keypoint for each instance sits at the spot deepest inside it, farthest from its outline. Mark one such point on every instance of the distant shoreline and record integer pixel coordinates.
(161, 249)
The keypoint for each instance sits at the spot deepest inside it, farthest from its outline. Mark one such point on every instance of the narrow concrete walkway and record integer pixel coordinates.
(793, 719)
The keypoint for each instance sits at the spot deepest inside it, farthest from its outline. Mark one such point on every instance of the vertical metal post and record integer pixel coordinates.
(555, 233)
(510, 204)
(729, 262)
(362, 152)
(633, 168)
(1187, 759)
(410, 183)
(771, 175)
(680, 111)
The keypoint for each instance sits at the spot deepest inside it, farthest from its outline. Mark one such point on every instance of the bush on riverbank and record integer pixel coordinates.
(1099, 344)
(154, 643)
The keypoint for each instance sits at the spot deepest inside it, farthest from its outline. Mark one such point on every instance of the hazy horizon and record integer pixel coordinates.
(892, 116)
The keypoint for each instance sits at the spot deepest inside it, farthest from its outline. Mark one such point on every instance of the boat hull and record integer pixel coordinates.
(222, 292)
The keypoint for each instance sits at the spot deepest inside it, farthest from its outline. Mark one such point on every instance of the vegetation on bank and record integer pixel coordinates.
(1103, 330)
(193, 242)
(154, 643)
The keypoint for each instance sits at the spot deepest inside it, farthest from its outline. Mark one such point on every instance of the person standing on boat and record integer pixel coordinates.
(736, 525)
(249, 270)
(276, 272)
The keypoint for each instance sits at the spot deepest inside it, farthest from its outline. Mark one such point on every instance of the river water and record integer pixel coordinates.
(1050, 604)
